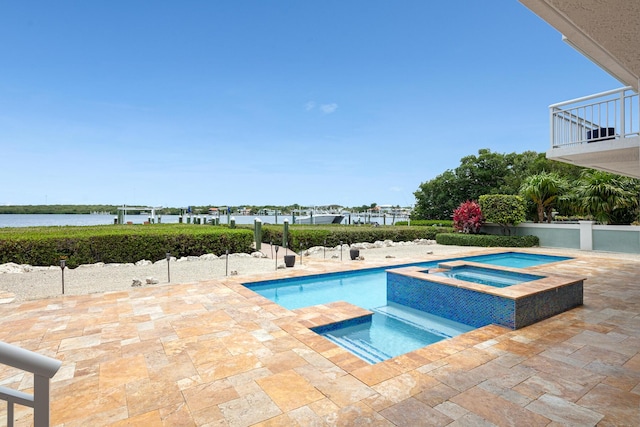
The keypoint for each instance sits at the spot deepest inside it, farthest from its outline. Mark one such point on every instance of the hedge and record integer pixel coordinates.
(314, 235)
(117, 244)
(427, 223)
(487, 240)
(130, 243)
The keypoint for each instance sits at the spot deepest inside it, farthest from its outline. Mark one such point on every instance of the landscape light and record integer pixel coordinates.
(168, 270)
(63, 264)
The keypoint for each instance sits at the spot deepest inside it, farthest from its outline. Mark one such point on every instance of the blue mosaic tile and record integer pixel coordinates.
(543, 305)
(477, 308)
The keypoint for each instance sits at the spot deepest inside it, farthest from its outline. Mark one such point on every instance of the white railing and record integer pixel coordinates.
(614, 114)
(43, 369)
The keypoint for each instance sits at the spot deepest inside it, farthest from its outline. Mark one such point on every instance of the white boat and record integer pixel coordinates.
(320, 218)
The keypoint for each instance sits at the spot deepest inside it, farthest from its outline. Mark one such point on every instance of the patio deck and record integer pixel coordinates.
(214, 354)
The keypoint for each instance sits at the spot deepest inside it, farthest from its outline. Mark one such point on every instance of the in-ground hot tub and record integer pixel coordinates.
(524, 300)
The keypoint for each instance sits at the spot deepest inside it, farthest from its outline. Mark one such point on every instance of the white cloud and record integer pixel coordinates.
(328, 108)
(396, 189)
(309, 106)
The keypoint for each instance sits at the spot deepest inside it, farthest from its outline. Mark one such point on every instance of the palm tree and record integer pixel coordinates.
(544, 189)
(600, 194)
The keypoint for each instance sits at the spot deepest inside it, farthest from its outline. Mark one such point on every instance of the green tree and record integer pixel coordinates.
(438, 198)
(544, 189)
(608, 198)
(484, 173)
(504, 209)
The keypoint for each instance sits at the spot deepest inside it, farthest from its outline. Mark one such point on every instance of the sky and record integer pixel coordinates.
(256, 102)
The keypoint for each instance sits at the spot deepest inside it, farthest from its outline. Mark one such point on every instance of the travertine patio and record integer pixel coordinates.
(215, 353)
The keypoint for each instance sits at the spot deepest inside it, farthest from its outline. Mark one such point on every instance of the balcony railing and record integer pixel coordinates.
(43, 369)
(608, 115)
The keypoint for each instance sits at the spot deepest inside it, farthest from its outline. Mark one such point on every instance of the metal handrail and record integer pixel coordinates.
(590, 97)
(43, 369)
(616, 113)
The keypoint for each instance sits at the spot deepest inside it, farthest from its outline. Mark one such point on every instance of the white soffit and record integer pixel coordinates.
(605, 31)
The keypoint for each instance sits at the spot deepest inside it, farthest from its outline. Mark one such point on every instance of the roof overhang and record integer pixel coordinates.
(606, 32)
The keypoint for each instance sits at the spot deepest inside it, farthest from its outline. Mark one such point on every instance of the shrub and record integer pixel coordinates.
(503, 209)
(487, 240)
(468, 218)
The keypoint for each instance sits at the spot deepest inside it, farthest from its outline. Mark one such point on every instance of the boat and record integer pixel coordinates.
(319, 219)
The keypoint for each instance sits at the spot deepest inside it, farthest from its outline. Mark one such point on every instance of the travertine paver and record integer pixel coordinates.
(215, 353)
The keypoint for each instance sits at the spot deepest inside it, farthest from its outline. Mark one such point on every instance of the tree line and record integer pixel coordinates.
(196, 209)
(551, 189)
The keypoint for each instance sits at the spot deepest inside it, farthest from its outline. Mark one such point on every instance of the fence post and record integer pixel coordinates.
(257, 233)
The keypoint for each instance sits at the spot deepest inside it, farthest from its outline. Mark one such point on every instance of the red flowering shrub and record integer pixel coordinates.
(468, 218)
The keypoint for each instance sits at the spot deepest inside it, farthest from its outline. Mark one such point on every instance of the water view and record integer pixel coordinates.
(37, 220)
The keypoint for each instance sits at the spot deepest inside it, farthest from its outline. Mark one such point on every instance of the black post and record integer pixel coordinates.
(168, 269)
(226, 271)
(277, 257)
(324, 249)
(340, 250)
(300, 253)
(62, 266)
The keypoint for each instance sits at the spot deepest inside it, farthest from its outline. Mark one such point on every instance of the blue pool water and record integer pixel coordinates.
(485, 276)
(364, 288)
(516, 259)
(393, 329)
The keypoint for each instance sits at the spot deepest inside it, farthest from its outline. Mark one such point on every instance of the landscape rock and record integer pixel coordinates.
(136, 283)
(152, 281)
(97, 264)
(234, 272)
(13, 268)
(143, 262)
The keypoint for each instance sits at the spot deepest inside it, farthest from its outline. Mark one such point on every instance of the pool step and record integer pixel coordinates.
(431, 323)
(360, 348)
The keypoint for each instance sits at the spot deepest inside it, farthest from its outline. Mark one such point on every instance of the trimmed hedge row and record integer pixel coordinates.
(427, 223)
(309, 236)
(118, 244)
(487, 240)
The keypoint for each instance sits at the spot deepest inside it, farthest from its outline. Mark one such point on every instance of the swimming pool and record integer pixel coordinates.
(485, 276)
(394, 328)
(367, 288)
